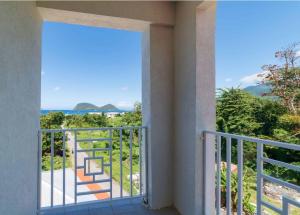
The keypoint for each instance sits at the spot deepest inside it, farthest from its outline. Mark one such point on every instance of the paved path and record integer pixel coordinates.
(58, 188)
(93, 168)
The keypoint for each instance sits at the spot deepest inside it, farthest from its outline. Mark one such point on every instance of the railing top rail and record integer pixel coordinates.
(257, 140)
(90, 129)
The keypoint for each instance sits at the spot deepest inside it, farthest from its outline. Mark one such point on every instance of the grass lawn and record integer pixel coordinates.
(277, 203)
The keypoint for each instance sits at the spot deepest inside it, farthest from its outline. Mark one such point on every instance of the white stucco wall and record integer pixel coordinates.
(155, 12)
(205, 108)
(194, 89)
(178, 94)
(157, 84)
(20, 106)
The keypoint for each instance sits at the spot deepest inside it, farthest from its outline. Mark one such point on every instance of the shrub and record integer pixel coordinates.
(247, 184)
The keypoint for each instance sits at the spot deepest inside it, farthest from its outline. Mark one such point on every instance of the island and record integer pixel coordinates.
(89, 106)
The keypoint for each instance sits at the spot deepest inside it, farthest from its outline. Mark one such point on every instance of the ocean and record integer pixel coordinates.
(81, 112)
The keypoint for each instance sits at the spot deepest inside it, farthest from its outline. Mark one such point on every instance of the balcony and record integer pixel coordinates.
(175, 164)
(93, 154)
(106, 183)
(263, 205)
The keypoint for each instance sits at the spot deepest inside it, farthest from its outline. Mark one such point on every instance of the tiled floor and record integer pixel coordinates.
(127, 208)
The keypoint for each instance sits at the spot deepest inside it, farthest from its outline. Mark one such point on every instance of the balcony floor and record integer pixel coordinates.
(117, 209)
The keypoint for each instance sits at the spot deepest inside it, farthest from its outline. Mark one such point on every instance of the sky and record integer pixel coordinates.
(88, 64)
(101, 66)
(247, 36)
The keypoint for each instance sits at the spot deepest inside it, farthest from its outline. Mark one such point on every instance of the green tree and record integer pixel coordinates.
(133, 118)
(52, 120)
(284, 79)
(235, 112)
(267, 113)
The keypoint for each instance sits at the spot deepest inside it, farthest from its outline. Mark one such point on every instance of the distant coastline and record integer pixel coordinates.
(81, 112)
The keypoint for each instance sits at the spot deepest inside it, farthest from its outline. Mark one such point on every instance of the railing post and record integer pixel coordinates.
(209, 151)
(64, 168)
(146, 157)
(39, 171)
(110, 162)
(75, 166)
(140, 161)
(130, 160)
(259, 182)
(240, 177)
(52, 167)
(121, 162)
(228, 175)
(218, 190)
(285, 206)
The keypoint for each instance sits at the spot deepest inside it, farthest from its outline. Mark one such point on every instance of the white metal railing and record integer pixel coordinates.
(260, 175)
(85, 163)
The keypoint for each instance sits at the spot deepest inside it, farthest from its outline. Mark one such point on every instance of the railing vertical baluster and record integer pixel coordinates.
(121, 163)
(110, 161)
(140, 160)
(75, 166)
(146, 165)
(39, 173)
(285, 206)
(89, 153)
(259, 182)
(94, 155)
(64, 168)
(240, 177)
(228, 175)
(218, 194)
(52, 166)
(130, 143)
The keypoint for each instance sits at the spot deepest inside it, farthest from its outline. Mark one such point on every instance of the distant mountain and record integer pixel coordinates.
(258, 90)
(108, 107)
(85, 106)
(89, 106)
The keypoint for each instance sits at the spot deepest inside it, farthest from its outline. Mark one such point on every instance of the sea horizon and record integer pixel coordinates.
(80, 112)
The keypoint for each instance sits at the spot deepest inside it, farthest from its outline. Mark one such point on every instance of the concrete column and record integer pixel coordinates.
(20, 68)
(194, 103)
(157, 82)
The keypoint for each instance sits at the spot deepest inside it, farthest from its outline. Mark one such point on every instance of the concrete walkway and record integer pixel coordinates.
(58, 188)
(69, 181)
(93, 168)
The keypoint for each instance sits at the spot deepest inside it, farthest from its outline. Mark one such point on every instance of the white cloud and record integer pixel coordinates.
(125, 104)
(298, 53)
(124, 88)
(43, 72)
(228, 80)
(253, 79)
(57, 88)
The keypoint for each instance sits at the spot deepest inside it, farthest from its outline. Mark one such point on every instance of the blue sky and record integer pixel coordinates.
(87, 64)
(100, 66)
(247, 36)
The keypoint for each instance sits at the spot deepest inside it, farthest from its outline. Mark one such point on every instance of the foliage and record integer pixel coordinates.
(284, 79)
(133, 118)
(267, 114)
(52, 120)
(291, 123)
(235, 112)
(86, 121)
(247, 185)
(57, 161)
(241, 113)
